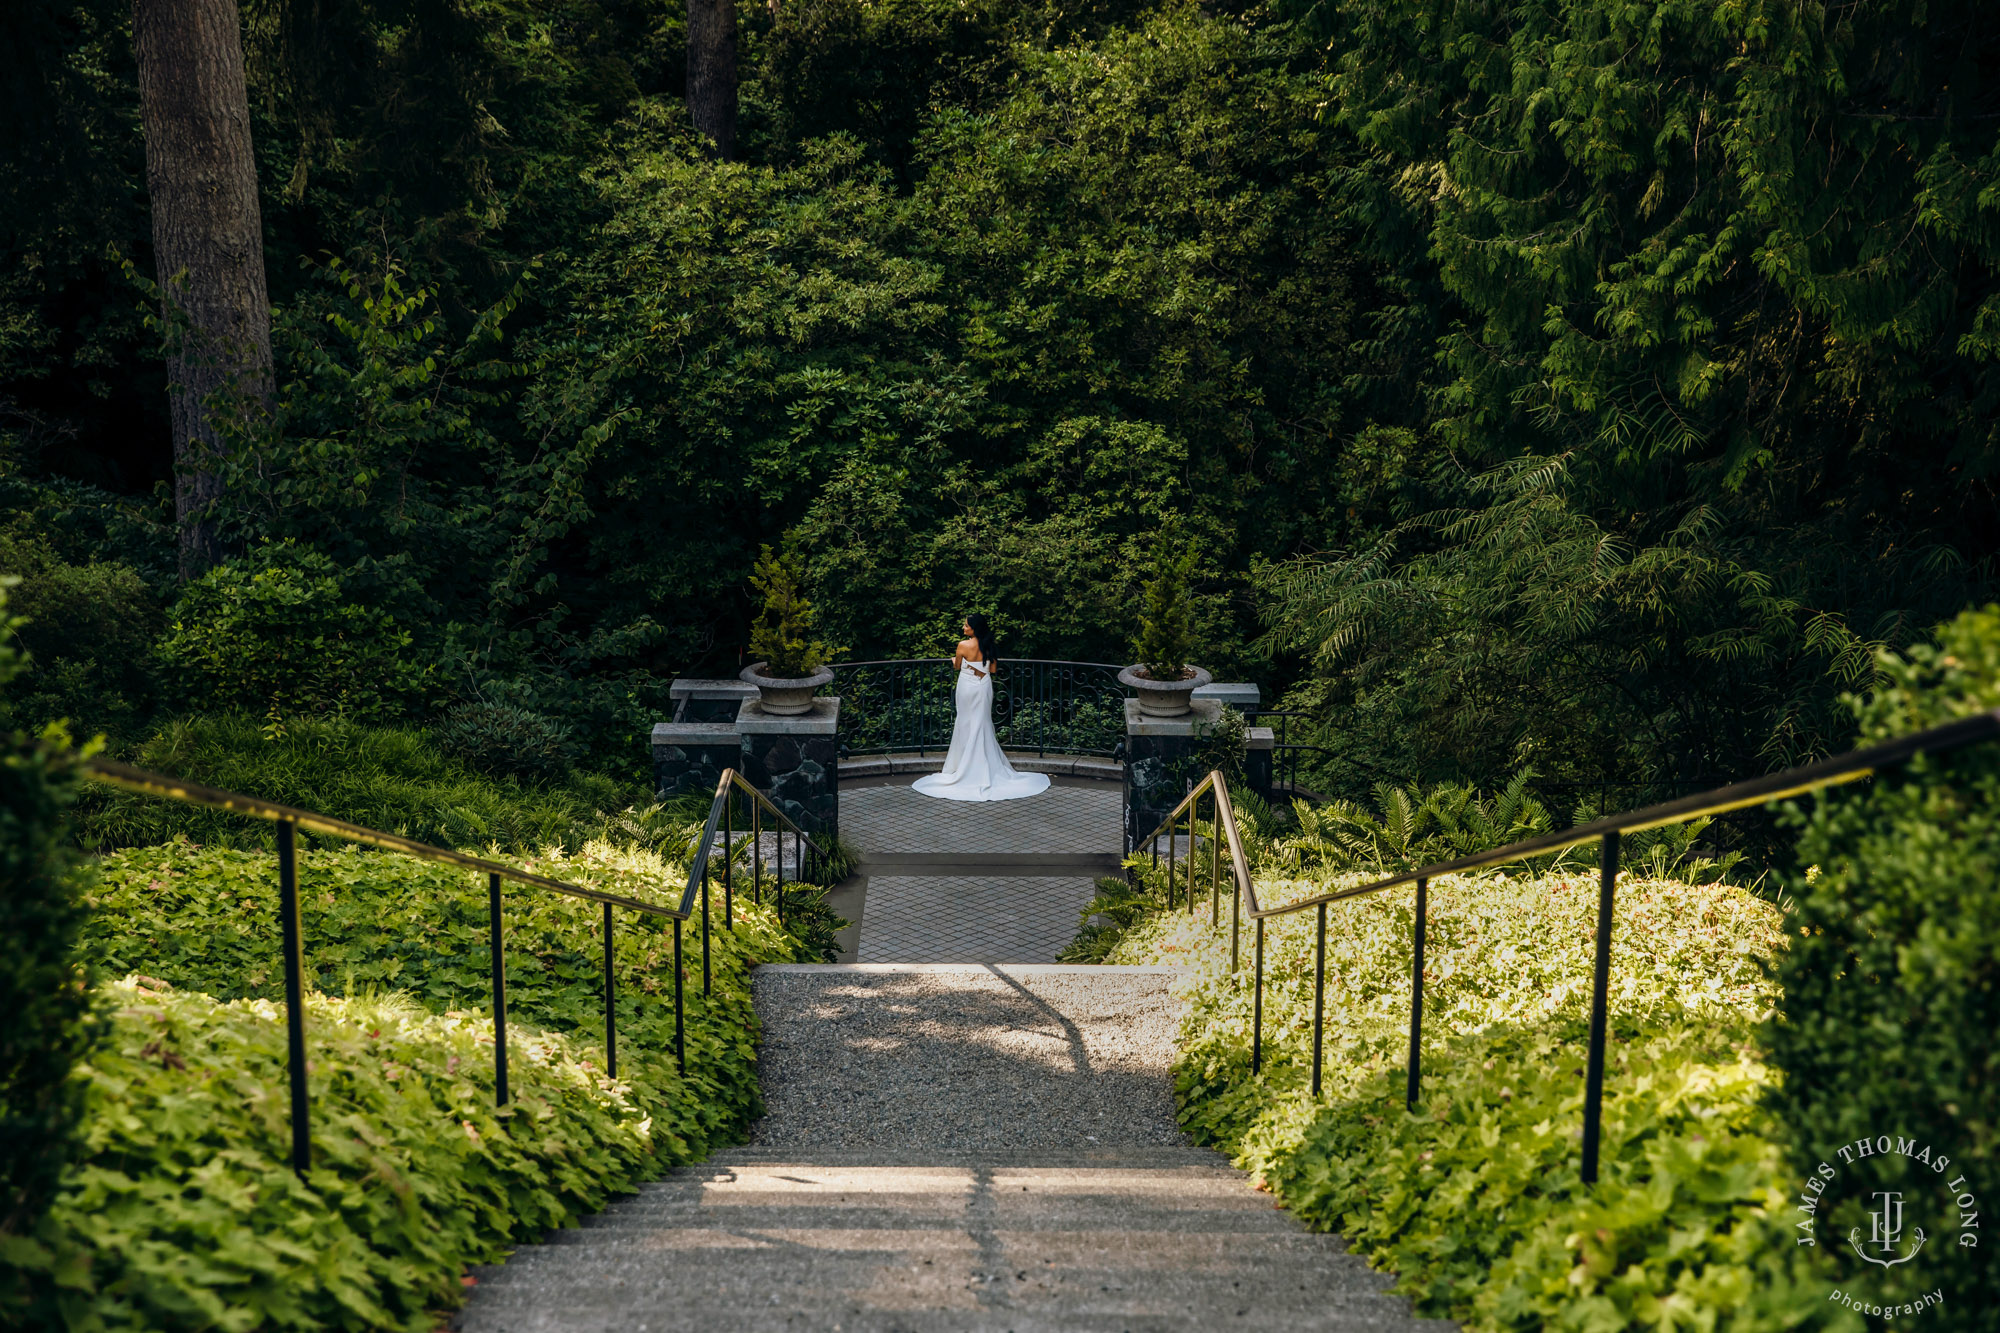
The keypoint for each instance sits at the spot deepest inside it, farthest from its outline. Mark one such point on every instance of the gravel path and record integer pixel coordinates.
(967, 1056)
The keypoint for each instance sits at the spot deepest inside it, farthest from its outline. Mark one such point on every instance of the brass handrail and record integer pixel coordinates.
(114, 774)
(721, 811)
(1840, 769)
(290, 819)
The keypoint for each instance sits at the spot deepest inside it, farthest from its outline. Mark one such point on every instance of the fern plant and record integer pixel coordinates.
(782, 637)
(1405, 829)
(1451, 820)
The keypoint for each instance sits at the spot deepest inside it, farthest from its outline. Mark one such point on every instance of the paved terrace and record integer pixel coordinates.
(966, 882)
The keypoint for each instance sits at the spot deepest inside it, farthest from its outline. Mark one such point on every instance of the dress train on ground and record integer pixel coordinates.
(975, 768)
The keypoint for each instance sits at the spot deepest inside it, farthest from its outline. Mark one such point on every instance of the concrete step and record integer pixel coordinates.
(1153, 1241)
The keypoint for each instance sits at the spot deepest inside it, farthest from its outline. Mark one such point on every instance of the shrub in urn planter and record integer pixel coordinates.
(1163, 678)
(793, 664)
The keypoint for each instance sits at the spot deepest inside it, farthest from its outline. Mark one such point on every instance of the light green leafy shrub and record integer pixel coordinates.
(1475, 1200)
(275, 632)
(1892, 985)
(183, 1212)
(203, 918)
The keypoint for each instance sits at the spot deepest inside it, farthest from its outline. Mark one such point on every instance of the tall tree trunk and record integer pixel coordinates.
(711, 90)
(208, 239)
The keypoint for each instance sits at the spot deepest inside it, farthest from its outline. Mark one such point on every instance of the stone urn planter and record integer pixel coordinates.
(785, 696)
(1164, 698)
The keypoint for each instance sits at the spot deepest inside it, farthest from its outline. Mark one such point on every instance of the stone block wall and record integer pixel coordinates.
(690, 756)
(795, 760)
(1159, 763)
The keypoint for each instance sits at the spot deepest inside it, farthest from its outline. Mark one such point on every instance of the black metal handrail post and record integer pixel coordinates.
(1600, 987)
(1257, 1007)
(1417, 992)
(680, 1005)
(1214, 859)
(610, 1003)
(1319, 997)
(499, 990)
(295, 994)
(1235, 920)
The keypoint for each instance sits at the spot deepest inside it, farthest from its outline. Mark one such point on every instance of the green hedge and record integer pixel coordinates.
(1892, 991)
(183, 1215)
(42, 992)
(274, 631)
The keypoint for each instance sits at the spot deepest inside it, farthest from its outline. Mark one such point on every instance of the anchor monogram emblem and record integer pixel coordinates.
(1885, 1231)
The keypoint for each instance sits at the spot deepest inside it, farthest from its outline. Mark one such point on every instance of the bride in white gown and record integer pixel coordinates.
(975, 769)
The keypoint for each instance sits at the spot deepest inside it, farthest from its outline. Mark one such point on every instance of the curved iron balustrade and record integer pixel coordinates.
(1850, 767)
(290, 819)
(1049, 707)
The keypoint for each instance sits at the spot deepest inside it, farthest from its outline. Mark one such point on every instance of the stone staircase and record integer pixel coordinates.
(949, 1147)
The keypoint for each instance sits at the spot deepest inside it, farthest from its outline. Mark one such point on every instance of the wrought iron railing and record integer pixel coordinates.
(1047, 707)
(1850, 767)
(289, 820)
(1286, 754)
(731, 789)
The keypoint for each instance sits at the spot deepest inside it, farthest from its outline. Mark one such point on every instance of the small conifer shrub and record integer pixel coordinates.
(783, 635)
(1166, 610)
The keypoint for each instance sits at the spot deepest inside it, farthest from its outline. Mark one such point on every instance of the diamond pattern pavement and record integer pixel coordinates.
(968, 919)
(974, 916)
(899, 821)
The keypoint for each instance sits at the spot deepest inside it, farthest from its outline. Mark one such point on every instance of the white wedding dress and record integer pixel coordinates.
(975, 769)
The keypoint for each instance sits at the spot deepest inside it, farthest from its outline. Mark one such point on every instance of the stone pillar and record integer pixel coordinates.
(690, 752)
(1259, 749)
(1159, 763)
(795, 760)
(690, 756)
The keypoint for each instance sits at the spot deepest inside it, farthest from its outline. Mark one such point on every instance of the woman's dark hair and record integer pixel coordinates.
(982, 632)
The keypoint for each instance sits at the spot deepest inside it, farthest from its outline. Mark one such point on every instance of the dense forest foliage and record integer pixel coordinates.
(1567, 383)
